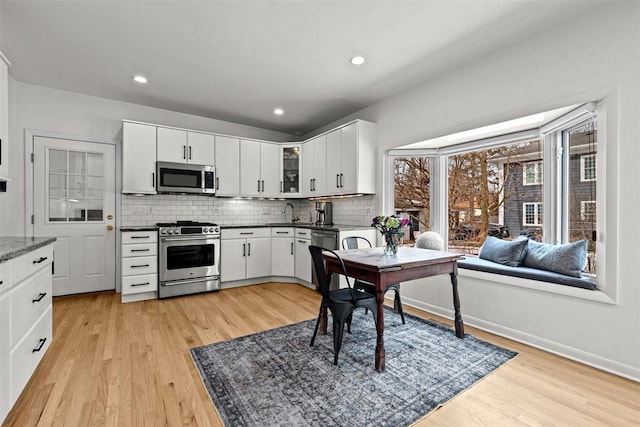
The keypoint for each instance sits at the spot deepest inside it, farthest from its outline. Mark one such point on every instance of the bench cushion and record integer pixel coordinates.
(478, 264)
(506, 252)
(568, 259)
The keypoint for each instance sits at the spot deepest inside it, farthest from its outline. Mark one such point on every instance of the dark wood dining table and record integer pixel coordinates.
(410, 263)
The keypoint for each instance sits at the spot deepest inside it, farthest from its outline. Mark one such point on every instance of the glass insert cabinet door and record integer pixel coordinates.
(290, 178)
(75, 190)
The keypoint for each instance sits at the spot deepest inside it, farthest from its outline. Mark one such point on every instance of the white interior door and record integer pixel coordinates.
(74, 201)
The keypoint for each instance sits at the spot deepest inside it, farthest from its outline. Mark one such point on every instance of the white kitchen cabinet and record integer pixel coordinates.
(259, 174)
(26, 307)
(227, 153)
(245, 253)
(314, 166)
(351, 159)
(302, 254)
(4, 340)
(4, 118)
(182, 146)
(282, 252)
(290, 168)
(138, 158)
(139, 265)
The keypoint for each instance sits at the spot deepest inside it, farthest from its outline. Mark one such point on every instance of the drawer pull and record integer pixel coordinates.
(282, 232)
(140, 250)
(140, 266)
(40, 345)
(246, 233)
(40, 296)
(42, 259)
(140, 284)
(140, 237)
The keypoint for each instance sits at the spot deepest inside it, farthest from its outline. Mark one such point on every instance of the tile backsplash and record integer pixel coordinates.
(149, 210)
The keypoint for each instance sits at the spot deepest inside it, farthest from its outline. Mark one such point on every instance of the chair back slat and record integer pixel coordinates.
(353, 242)
(321, 273)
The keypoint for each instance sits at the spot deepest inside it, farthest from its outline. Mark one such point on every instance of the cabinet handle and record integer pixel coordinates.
(40, 296)
(140, 250)
(40, 345)
(277, 232)
(189, 152)
(258, 186)
(244, 249)
(263, 186)
(217, 183)
(314, 184)
(244, 233)
(140, 237)
(184, 152)
(341, 183)
(140, 284)
(281, 187)
(337, 180)
(140, 266)
(248, 249)
(302, 241)
(291, 248)
(153, 179)
(41, 260)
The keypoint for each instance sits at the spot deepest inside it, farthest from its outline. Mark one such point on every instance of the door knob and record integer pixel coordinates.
(109, 227)
(109, 216)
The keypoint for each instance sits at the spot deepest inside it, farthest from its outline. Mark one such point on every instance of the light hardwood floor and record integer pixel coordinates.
(129, 365)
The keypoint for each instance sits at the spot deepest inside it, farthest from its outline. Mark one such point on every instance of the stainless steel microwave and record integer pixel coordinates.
(185, 178)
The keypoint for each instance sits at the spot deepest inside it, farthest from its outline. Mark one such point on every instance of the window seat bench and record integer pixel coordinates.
(478, 264)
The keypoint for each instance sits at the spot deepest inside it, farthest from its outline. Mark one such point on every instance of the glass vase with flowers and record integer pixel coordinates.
(391, 229)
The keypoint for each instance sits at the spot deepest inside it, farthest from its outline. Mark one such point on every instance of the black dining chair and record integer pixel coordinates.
(352, 242)
(340, 302)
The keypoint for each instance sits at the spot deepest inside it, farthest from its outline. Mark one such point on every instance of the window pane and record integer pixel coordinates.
(76, 210)
(94, 164)
(489, 195)
(57, 210)
(94, 210)
(57, 161)
(94, 187)
(77, 162)
(582, 181)
(77, 186)
(412, 179)
(57, 186)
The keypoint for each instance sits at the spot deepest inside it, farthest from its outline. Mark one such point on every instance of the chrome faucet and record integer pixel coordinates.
(293, 217)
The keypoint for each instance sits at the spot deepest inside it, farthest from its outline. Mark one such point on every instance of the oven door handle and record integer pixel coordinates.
(183, 239)
(184, 282)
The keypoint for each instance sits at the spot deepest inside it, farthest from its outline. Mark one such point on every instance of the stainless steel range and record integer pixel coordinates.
(189, 258)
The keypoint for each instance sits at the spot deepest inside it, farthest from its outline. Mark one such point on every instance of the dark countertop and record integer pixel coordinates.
(12, 247)
(333, 227)
(140, 228)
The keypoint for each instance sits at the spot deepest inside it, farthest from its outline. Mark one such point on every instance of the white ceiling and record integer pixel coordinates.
(238, 60)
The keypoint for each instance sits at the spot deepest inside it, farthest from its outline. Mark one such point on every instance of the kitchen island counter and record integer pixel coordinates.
(12, 247)
(333, 227)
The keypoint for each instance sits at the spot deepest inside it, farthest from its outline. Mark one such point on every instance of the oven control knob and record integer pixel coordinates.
(207, 230)
(163, 231)
(216, 230)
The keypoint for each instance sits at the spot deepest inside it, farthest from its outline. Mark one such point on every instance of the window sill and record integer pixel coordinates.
(596, 295)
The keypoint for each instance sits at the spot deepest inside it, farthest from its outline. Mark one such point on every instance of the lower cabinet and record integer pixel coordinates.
(25, 305)
(245, 253)
(302, 255)
(139, 265)
(282, 252)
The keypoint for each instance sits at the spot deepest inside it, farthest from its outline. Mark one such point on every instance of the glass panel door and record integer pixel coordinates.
(76, 186)
(290, 169)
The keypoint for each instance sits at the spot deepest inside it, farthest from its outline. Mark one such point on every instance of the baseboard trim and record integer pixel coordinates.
(590, 359)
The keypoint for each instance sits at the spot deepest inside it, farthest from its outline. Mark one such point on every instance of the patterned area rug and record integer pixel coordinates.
(274, 378)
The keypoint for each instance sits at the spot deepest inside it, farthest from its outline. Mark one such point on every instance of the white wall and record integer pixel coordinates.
(39, 108)
(594, 56)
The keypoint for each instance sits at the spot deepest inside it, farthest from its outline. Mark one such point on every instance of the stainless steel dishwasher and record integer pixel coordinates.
(329, 240)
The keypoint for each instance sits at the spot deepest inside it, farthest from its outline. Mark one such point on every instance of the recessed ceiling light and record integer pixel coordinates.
(140, 79)
(278, 111)
(357, 60)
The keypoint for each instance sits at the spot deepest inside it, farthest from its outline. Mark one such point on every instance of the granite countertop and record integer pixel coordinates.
(12, 247)
(333, 227)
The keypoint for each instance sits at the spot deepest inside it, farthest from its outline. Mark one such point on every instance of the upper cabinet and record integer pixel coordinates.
(259, 173)
(4, 119)
(228, 166)
(181, 146)
(290, 169)
(351, 159)
(314, 167)
(138, 158)
(338, 162)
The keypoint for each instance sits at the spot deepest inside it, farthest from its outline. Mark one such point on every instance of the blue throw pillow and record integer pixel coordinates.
(569, 259)
(505, 252)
